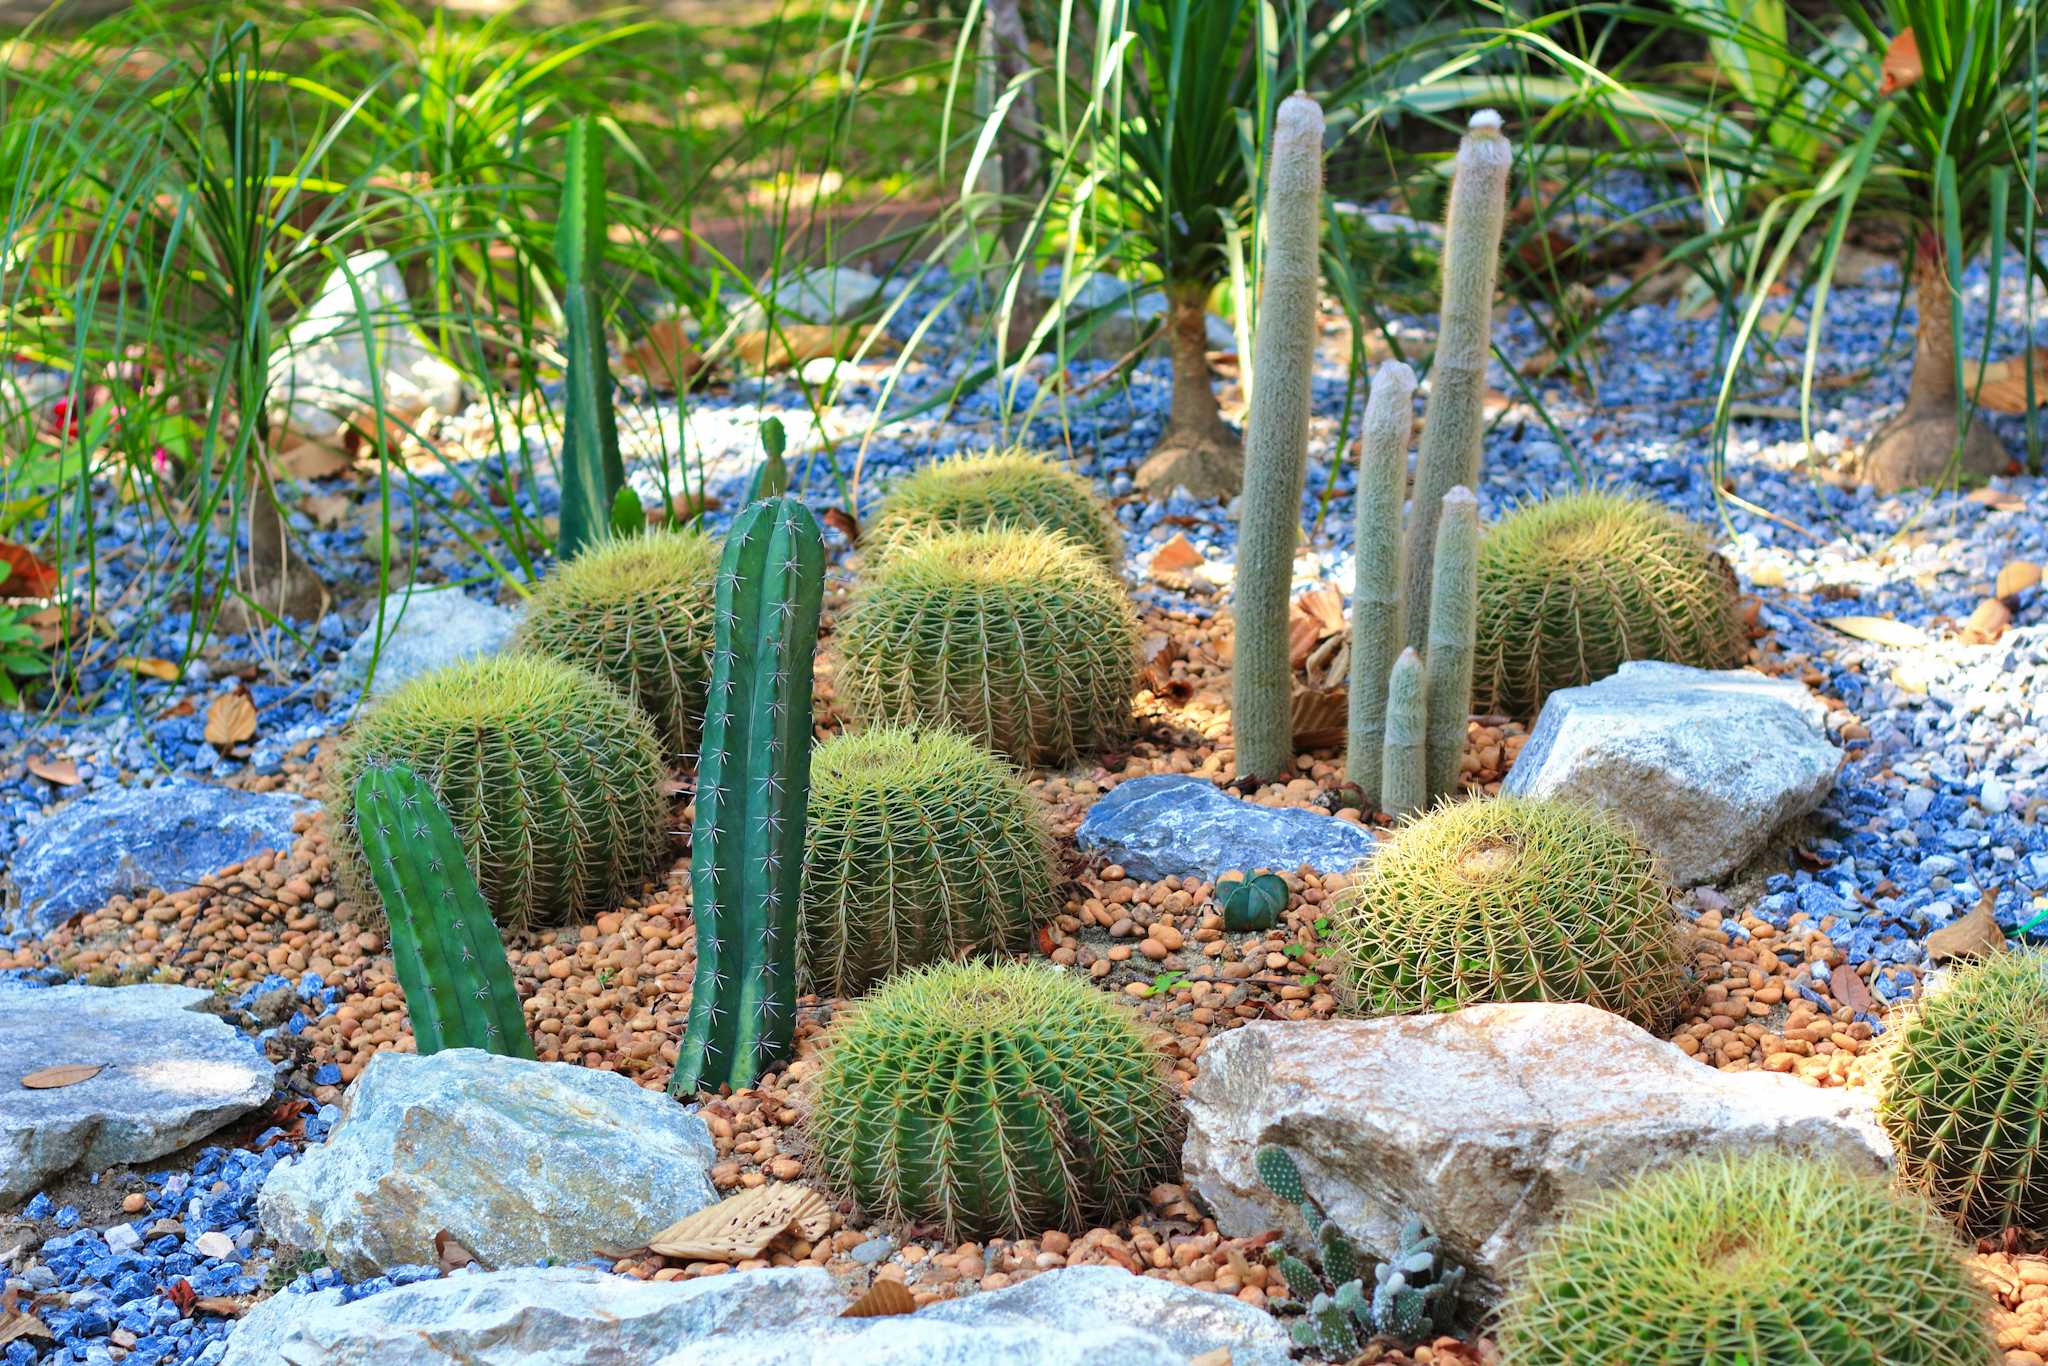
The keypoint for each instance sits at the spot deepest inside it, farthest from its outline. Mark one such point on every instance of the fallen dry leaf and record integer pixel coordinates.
(1177, 556)
(1319, 718)
(1987, 623)
(1880, 631)
(741, 1226)
(1313, 618)
(62, 1075)
(883, 1298)
(24, 1325)
(230, 719)
(1974, 936)
(2016, 578)
(1848, 988)
(313, 460)
(2001, 386)
(221, 1306)
(841, 521)
(62, 772)
(328, 510)
(666, 357)
(181, 1294)
(1998, 500)
(149, 668)
(451, 1254)
(1901, 63)
(794, 344)
(27, 574)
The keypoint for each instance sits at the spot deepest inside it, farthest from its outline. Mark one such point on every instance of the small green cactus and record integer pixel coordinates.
(753, 787)
(444, 945)
(1017, 488)
(636, 612)
(591, 469)
(1404, 772)
(1453, 617)
(551, 776)
(1376, 609)
(1016, 639)
(1276, 444)
(1253, 902)
(993, 1101)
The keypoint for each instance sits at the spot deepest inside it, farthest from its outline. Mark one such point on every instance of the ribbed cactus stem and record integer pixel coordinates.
(1453, 623)
(1376, 586)
(1404, 786)
(1276, 443)
(591, 470)
(1454, 419)
(444, 945)
(753, 784)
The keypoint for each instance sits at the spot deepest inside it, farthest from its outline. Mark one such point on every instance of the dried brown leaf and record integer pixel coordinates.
(1177, 556)
(1319, 718)
(742, 1225)
(883, 1299)
(666, 357)
(65, 1074)
(450, 1254)
(230, 719)
(62, 772)
(1901, 65)
(1976, 935)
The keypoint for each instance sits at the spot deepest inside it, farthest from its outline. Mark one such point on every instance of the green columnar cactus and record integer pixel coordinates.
(1454, 419)
(1719, 1260)
(995, 489)
(444, 945)
(753, 784)
(1376, 585)
(993, 1100)
(1404, 774)
(552, 777)
(1276, 443)
(591, 470)
(1453, 617)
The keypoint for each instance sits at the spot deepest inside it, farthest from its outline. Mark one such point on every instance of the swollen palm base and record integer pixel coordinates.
(1197, 451)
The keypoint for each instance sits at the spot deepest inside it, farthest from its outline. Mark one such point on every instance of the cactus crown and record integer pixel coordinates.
(1712, 1260)
(993, 1100)
(1376, 605)
(1404, 772)
(591, 469)
(637, 612)
(1964, 1097)
(1515, 899)
(550, 775)
(1024, 489)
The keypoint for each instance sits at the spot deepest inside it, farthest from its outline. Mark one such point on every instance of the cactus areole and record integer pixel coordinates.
(753, 784)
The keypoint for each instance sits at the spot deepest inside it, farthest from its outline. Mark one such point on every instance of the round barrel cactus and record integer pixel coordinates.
(550, 775)
(1023, 489)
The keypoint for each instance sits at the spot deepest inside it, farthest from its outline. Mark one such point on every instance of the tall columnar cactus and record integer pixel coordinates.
(444, 945)
(1404, 775)
(1453, 618)
(753, 783)
(592, 473)
(1376, 587)
(1454, 420)
(1276, 443)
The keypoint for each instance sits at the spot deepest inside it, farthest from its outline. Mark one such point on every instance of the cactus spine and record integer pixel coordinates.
(1453, 621)
(444, 945)
(591, 470)
(1376, 586)
(1404, 780)
(753, 784)
(1276, 443)
(1454, 421)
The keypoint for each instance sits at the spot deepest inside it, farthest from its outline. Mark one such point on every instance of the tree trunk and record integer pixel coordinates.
(1023, 175)
(1917, 446)
(274, 577)
(1197, 451)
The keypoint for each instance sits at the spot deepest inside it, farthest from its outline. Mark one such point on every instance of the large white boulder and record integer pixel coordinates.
(519, 1161)
(1704, 764)
(1486, 1121)
(321, 374)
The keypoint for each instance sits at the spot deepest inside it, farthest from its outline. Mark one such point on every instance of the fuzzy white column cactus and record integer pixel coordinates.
(1376, 583)
(1403, 781)
(1453, 623)
(1276, 442)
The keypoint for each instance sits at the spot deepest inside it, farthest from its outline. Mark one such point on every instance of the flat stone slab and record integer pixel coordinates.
(1078, 1316)
(1170, 824)
(423, 631)
(121, 840)
(519, 1161)
(1704, 764)
(169, 1075)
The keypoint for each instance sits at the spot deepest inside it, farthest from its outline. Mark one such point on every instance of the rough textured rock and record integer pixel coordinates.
(170, 1075)
(1484, 1121)
(121, 840)
(1171, 823)
(423, 631)
(825, 295)
(1080, 1316)
(520, 1161)
(1704, 764)
(322, 372)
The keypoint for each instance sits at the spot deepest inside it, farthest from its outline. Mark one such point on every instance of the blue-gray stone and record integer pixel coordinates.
(1171, 824)
(122, 840)
(424, 629)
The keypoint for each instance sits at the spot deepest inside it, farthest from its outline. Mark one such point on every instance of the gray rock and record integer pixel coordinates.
(520, 1161)
(1079, 1316)
(1172, 824)
(321, 374)
(824, 295)
(1704, 765)
(170, 1075)
(1485, 1122)
(121, 840)
(424, 629)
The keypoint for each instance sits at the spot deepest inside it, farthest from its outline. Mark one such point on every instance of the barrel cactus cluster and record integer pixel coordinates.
(1024, 489)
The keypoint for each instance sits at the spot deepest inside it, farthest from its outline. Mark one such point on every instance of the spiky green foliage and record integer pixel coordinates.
(1453, 619)
(1376, 585)
(1514, 899)
(1573, 587)
(1964, 1100)
(1276, 445)
(1018, 639)
(592, 472)
(551, 776)
(1774, 1259)
(637, 612)
(993, 1101)
(444, 945)
(1404, 771)
(993, 489)
(922, 848)
(1454, 418)
(753, 786)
